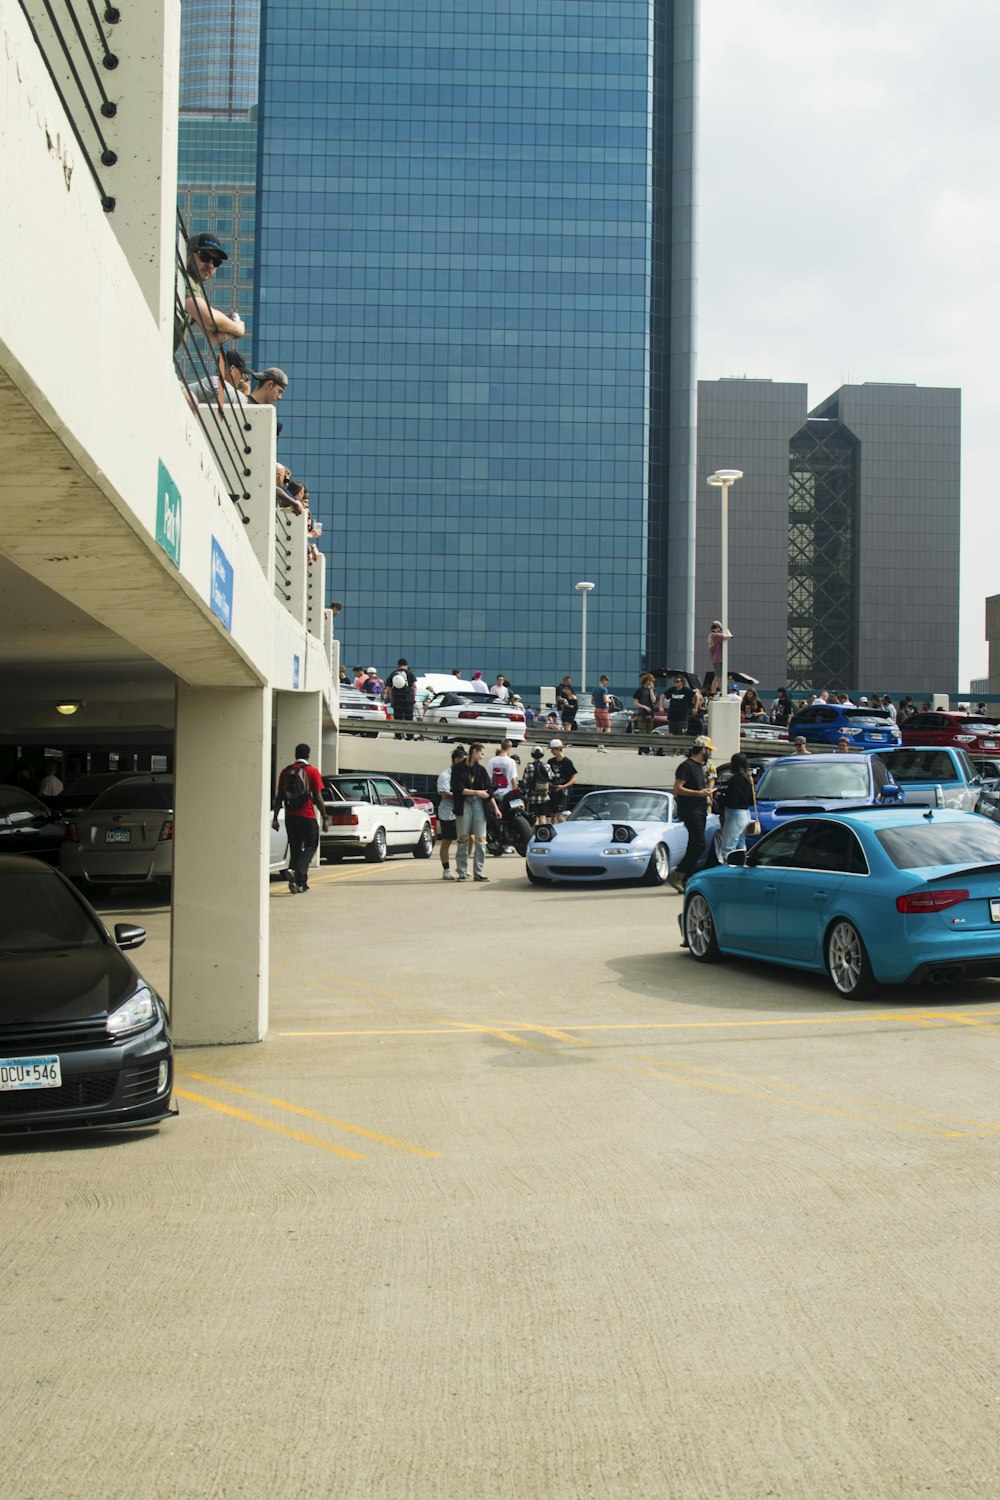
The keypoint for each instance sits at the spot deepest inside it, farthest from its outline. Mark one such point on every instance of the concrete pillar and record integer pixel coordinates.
(219, 942)
(724, 728)
(145, 87)
(262, 441)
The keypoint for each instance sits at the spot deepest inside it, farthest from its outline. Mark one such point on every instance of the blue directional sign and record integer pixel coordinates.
(222, 586)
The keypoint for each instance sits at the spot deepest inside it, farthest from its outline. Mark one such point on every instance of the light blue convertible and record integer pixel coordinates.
(622, 834)
(874, 896)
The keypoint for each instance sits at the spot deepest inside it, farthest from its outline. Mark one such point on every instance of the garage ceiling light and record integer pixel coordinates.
(71, 706)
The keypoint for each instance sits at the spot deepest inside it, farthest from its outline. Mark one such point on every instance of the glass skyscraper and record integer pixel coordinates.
(474, 258)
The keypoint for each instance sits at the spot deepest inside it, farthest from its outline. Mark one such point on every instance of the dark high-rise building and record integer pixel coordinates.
(475, 261)
(217, 148)
(843, 533)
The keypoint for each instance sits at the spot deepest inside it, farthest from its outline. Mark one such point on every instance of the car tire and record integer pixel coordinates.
(699, 930)
(658, 869)
(847, 962)
(536, 879)
(377, 849)
(424, 847)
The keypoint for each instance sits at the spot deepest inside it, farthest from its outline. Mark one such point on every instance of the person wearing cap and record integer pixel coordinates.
(535, 785)
(271, 386)
(374, 686)
(204, 257)
(477, 684)
(799, 746)
(562, 774)
(693, 791)
(233, 370)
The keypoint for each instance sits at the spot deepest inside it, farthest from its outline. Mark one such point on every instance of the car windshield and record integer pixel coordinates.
(921, 765)
(866, 716)
(820, 779)
(130, 796)
(622, 807)
(84, 785)
(974, 841)
(13, 800)
(977, 726)
(39, 914)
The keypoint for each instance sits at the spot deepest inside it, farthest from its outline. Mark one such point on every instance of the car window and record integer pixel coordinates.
(807, 716)
(830, 846)
(966, 764)
(387, 792)
(865, 717)
(976, 726)
(622, 807)
(15, 802)
(824, 778)
(778, 848)
(919, 721)
(130, 796)
(973, 841)
(827, 715)
(354, 788)
(38, 914)
(921, 765)
(879, 774)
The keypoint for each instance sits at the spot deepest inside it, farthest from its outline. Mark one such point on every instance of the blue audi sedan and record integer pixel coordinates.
(871, 897)
(798, 784)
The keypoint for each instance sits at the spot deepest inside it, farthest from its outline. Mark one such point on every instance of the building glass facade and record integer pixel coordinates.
(471, 251)
(217, 148)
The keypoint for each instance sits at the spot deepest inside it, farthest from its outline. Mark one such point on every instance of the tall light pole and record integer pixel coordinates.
(721, 480)
(583, 589)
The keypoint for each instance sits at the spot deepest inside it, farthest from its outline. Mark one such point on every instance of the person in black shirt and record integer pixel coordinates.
(471, 791)
(402, 687)
(693, 792)
(563, 774)
(567, 703)
(680, 705)
(737, 800)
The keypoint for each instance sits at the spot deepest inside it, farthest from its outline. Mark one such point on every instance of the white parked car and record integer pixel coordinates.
(357, 708)
(374, 816)
(476, 715)
(126, 836)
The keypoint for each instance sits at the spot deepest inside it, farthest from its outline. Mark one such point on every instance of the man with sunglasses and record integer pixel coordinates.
(205, 256)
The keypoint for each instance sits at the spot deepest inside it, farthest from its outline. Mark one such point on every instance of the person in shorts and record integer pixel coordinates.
(601, 699)
(447, 826)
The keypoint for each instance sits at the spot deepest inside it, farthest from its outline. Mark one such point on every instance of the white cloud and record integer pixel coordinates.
(848, 226)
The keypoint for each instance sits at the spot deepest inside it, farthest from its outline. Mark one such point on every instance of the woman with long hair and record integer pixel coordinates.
(737, 800)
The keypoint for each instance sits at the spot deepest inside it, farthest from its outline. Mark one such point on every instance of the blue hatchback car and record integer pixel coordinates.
(880, 895)
(797, 784)
(826, 723)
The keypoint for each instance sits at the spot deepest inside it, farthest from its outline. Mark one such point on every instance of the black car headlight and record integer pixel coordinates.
(622, 834)
(138, 1012)
(544, 833)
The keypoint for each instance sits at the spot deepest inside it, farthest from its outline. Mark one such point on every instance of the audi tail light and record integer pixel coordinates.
(924, 901)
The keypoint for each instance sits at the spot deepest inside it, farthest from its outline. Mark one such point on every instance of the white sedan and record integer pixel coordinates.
(374, 816)
(477, 715)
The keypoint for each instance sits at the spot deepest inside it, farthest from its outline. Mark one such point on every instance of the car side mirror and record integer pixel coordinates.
(736, 857)
(127, 936)
(408, 802)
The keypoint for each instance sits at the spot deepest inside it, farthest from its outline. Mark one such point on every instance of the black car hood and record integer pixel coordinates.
(74, 984)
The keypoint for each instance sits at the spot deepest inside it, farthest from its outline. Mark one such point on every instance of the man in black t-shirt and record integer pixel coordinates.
(563, 774)
(693, 791)
(402, 691)
(680, 701)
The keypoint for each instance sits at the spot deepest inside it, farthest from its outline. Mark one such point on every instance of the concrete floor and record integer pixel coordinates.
(519, 1202)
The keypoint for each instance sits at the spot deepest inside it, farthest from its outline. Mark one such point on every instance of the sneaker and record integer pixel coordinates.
(461, 877)
(483, 878)
(293, 886)
(446, 874)
(602, 749)
(676, 880)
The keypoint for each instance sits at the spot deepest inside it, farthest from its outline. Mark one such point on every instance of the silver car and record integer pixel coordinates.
(126, 836)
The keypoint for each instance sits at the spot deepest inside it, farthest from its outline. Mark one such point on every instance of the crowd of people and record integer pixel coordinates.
(472, 790)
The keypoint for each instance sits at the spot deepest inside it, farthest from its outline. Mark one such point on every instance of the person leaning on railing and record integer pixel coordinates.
(204, 257)
(233, 372)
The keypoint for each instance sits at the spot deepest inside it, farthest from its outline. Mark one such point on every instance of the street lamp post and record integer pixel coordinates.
(583, 589)
(721, 480)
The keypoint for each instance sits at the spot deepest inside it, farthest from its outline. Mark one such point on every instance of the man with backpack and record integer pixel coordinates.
(300, 792)
(402, 689)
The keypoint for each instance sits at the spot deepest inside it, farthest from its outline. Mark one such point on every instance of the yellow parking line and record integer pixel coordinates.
(453, 1028)
(504, 1036)
(293, 1135)
(311, 1114)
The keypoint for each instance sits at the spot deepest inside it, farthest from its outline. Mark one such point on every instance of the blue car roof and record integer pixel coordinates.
(838, 756)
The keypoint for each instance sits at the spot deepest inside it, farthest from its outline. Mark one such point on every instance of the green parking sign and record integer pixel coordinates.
(168, 515)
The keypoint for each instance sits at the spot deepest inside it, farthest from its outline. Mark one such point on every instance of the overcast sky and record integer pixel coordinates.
(850, 218)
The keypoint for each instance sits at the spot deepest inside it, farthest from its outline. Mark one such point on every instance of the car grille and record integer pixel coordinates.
(30, 1038)
(76, 1093)
(577, 869)
(139, 1084)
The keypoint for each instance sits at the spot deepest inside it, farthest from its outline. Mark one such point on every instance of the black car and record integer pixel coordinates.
(84, 1040)
(27, 826)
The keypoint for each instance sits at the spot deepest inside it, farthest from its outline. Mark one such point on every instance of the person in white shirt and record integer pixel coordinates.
(502, 771)
(500, 690)
(447, 832)
(477, 684)
(51, 786)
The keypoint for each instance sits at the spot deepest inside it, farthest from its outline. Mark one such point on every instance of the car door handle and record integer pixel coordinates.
(770, 890)
(820, 895)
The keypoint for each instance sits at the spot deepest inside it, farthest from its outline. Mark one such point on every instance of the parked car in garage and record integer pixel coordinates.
(941, 776)
(77, 795)
(476, 715)
(969, 732)
(126, 836)
(375, 816)
(27, 826)
(625, 833)
(825, 723)
(356, 709)
(84, 1039)
(797, 784)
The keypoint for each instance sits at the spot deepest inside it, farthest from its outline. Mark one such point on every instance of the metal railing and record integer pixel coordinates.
(78, 56)
(283, 557)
